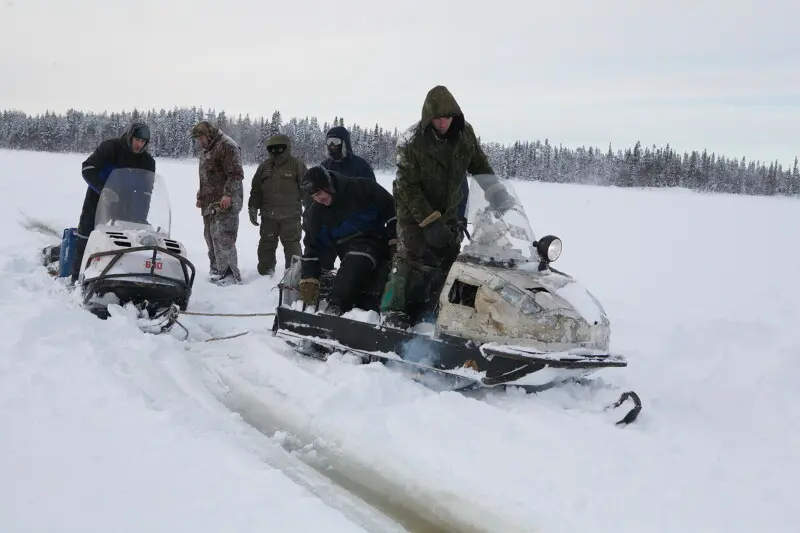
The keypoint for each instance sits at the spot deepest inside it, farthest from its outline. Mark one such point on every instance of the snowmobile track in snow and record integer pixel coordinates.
(417, 513)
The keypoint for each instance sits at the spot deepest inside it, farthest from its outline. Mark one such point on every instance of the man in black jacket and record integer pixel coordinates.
(126, 151)
(355, 218)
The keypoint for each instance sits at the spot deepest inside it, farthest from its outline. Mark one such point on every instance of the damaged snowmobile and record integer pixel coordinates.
(129, 256)
(504, 317)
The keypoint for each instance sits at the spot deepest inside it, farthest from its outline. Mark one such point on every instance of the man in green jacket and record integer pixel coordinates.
(433, 158)
(275, 191)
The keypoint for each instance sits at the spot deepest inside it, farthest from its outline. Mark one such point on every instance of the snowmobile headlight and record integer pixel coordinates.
(548, 248)
(530, 307)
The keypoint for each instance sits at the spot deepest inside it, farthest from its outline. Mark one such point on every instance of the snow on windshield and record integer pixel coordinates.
(495, 236)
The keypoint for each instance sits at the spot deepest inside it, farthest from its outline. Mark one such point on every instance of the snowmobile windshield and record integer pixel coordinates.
(134, 198)
(501, 233)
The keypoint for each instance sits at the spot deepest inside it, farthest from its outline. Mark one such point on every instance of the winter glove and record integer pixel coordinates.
(438, 234)
(111, 195)
(309, 290)
(461, 230)
(253, 212)
(502, 201)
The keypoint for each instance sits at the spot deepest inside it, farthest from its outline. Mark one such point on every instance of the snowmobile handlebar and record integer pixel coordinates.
(186, 266)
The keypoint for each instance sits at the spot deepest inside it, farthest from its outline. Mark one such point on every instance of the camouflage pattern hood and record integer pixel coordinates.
(439, 102)
(432, 168)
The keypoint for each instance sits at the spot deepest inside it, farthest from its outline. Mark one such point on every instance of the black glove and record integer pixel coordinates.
(438, 234)
(253, 212)
(502, 201)
(392, 248)
(461, 230)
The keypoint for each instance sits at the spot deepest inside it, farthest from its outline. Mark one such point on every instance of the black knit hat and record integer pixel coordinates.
(317, 179)
(139, 130)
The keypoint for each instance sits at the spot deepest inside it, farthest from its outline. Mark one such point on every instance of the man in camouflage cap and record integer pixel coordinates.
(220, 199)
(275, 191)
(433, 158)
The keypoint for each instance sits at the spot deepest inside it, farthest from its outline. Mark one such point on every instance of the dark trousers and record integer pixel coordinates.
(286, 229)
(85, 228)
(360, 259)
(418, 272)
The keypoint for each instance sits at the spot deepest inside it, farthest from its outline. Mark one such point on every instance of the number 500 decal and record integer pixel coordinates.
(149, 264)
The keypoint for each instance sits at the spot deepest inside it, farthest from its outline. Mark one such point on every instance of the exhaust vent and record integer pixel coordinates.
(172, 246)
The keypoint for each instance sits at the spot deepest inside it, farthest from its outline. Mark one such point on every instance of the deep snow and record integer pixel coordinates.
(108, 428)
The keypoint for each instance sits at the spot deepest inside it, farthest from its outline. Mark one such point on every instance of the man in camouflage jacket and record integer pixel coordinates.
(433, 158)
(275, 191)
(220, 199)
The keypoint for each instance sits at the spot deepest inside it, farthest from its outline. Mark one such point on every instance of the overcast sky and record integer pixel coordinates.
(720, 75)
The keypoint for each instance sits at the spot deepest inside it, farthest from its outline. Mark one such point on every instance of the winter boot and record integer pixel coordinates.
(227, 279)
(333, 309)
(396, 320)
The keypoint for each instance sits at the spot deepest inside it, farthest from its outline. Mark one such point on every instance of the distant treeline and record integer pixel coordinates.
(639, 166)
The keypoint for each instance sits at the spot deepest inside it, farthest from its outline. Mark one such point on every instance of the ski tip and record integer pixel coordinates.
(631, 415)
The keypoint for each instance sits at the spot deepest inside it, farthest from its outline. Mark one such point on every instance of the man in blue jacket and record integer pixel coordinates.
(352, 218)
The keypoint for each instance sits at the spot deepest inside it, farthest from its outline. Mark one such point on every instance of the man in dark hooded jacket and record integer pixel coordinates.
(126, 151)
(433, 157)
(354, 217)
(341, 157)
(342, 160)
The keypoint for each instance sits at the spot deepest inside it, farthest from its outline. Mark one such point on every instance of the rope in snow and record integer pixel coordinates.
(212, 339)
(226, 314)
(175, 312)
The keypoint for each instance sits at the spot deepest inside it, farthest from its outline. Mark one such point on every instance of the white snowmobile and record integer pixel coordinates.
(504, 315)
(129, 256)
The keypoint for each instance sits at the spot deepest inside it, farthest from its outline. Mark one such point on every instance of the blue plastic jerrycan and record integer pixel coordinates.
(66, 256)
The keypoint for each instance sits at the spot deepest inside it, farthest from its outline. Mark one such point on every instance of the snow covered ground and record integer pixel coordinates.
(105, 428)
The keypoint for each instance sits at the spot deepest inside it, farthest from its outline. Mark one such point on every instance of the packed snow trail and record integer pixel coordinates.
(110, 429)
(418, 511)
(168, 376)
(702, 292)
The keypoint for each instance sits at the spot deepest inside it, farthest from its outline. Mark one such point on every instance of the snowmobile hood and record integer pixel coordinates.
(559, 285)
